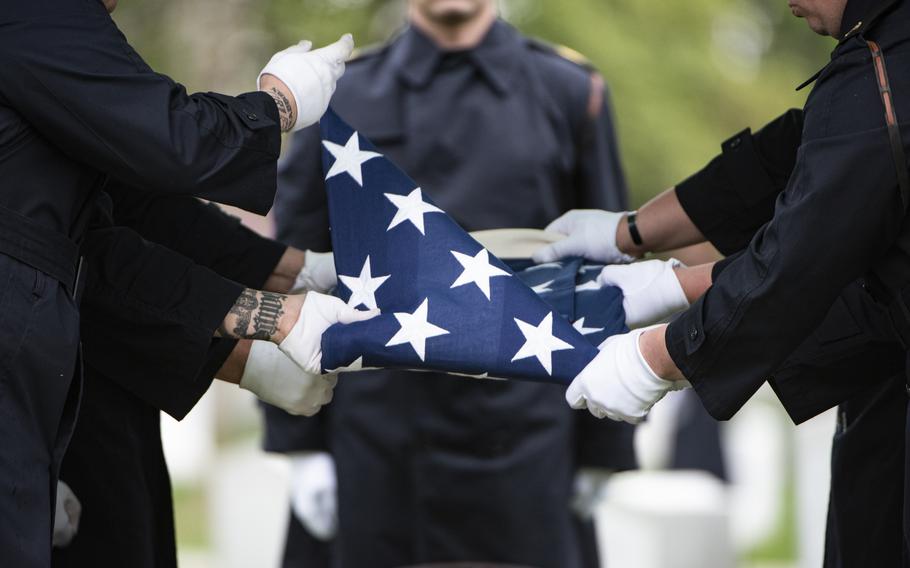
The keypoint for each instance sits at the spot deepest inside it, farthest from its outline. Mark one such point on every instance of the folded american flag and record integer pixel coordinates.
(446, 303)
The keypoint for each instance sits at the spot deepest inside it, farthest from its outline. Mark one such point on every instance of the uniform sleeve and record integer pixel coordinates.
(202, 232)
(825, 233)
(148, 317)
(205, 235)
(301, 206)
(733, 196)
(72, 75)
(600, 181)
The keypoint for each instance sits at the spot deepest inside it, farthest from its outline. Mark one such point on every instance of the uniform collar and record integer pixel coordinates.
(860, 15)
(496, 57)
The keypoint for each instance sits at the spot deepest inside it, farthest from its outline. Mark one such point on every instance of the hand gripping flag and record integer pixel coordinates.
(446, 303)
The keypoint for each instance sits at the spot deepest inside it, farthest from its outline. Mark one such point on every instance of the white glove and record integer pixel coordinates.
(314, 494)
(319, 312)
(590, 233)
(310, 75)
(66, 515)
(618, 383)
(317, 275)
(275, 379)
(651, 290)
(590, 490)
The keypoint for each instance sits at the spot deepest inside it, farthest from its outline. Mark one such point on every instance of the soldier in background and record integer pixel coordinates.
(501, 131)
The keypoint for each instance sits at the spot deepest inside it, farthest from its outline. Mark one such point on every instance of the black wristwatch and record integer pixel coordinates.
(633, 228)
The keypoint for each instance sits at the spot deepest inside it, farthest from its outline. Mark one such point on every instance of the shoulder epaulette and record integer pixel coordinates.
(367, 51)
(564, 52)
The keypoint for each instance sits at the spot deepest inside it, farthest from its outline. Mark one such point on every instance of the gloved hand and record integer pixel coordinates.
(651, 290)
(303, 343)
(618, 383)
(590, 490)
(317, 275)
(275, 379)
(310, 75)
(66, 515)
(314, 495)
(590, 233)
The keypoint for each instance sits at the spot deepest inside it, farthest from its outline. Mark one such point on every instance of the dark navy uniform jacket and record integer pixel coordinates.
(792, 306)
(77, 107)
(433, 467)
(114, 462)
(817, 170)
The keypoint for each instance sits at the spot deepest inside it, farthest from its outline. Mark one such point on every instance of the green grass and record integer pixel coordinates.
(191, 513)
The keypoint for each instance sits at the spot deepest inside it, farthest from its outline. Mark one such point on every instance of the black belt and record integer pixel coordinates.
(39, 247)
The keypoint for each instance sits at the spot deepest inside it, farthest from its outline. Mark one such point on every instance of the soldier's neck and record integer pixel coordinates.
(456, 36)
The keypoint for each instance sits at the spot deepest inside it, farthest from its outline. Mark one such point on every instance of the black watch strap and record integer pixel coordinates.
(633, 228)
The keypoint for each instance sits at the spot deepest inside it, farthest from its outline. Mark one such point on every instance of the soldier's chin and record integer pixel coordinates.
(817, 25)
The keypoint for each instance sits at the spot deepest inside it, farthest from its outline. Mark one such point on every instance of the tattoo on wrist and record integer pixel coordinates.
(243, 310)
(255, 315)
(285, 110)
(271, 308)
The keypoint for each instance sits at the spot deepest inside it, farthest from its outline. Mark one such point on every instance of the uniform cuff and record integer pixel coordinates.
(685, 336)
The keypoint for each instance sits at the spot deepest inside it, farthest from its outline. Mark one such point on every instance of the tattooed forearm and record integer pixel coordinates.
(285, 109)
(255, 315)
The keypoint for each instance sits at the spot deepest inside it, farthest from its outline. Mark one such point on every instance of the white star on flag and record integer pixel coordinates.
(580, 326)
(411, 207)
(477, 270)
(363, 288)
(542, 288)
(589, 286)
(415, 329)
(349, 158)
(540, 342)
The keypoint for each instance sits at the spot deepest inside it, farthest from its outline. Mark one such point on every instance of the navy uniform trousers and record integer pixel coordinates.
(433, 467)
